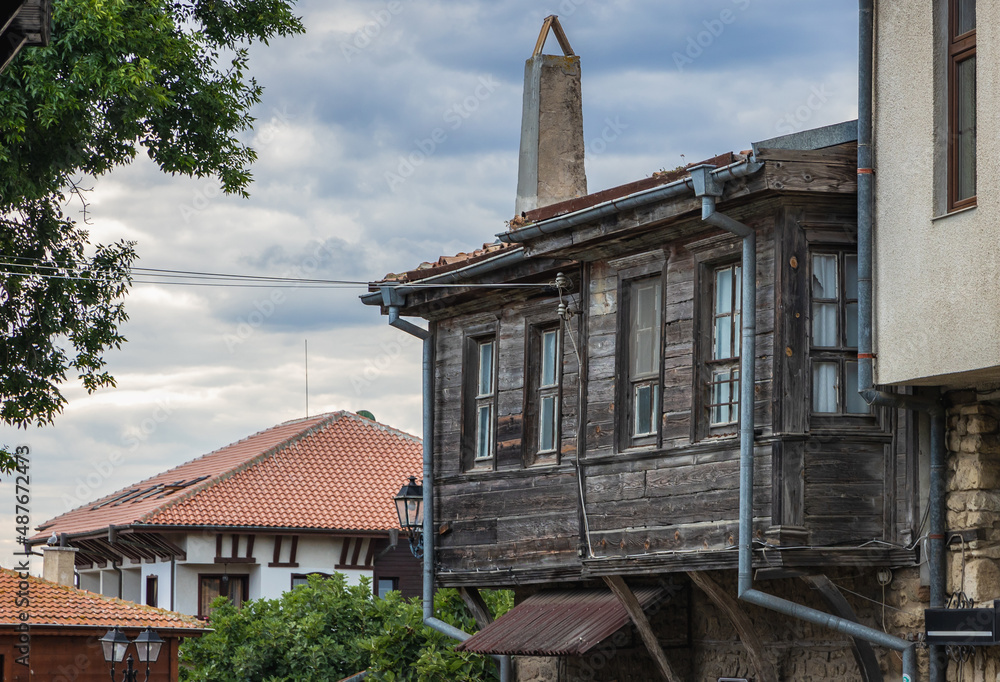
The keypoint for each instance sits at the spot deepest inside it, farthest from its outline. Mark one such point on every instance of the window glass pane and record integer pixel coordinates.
(486, 368)
(643, 409)
(851, 276)
(548, 358)
(737, 334)
(851, 325)
(965, 17)
(824, 283)
(385, 586)
(645, 328)
(209, 592)
(825, 387)
(484, 428)
(854, 403)
(723, 291)
(965, 128)
(547, 423)
(723, 338)
(824, 325)
(721, 397)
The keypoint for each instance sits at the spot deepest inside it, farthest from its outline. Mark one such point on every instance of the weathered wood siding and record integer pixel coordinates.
(820, 482)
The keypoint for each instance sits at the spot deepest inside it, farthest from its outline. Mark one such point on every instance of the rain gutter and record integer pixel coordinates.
(394, 299)
(866, 371)
(710, 188)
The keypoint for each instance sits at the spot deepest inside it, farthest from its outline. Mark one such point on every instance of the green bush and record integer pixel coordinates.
(328, 630)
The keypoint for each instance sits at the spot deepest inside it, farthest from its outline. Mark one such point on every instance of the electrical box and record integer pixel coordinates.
(977, 627)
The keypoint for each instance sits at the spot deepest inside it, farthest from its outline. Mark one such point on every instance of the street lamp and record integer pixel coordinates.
(115, 645)
(410, 509)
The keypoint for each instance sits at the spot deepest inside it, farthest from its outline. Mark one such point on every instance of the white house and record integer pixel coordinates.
(253, 519)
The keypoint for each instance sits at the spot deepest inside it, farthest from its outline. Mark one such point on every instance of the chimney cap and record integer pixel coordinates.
(552, 22)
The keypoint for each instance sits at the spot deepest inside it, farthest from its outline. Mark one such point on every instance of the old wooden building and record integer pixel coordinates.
(584, 379)
(586, 382)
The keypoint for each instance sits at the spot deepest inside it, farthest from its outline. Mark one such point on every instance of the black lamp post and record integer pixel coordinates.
(115, 645)
(410, 509)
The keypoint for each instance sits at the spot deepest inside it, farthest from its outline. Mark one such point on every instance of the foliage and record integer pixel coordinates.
(328, 630)
(168, 76)
(406, 650)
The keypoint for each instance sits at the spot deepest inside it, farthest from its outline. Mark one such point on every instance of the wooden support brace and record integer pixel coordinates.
(552, 22)
(617, 585)
(476, 605)
(741, 621)
(863, 652)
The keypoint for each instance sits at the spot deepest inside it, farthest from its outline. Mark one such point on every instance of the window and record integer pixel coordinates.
(834, 335)
(386, 585)
(210, 587)
(961, 104)
(480, 402)
(544, 384)
(152, 596)
(644, 307)
(724, 362)
(303, 578)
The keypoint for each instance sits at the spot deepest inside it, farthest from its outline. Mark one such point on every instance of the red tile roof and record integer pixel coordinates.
(448, 263)
(52, 604)
(334, 471)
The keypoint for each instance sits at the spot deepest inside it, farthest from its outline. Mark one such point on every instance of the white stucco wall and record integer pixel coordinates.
(937, 279)
(314, 554)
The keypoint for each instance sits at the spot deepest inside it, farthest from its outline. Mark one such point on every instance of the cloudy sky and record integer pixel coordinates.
(345, 106)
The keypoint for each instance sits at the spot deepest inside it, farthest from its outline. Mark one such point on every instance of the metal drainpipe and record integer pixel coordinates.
(709, 189)
(393, 301)
(866, 373)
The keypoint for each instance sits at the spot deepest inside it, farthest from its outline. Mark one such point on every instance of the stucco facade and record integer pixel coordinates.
(936, 275)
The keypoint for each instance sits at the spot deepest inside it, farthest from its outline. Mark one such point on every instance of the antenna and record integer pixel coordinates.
(307, 377)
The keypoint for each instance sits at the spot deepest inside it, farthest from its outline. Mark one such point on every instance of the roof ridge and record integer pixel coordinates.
(384, 427)
(139, 484)
(328, 418)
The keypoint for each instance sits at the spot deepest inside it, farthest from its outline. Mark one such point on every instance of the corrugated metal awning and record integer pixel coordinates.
(557, 623)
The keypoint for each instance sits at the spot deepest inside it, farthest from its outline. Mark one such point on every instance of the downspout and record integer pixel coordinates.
(393, 300)
(709, 189)
(866, 373)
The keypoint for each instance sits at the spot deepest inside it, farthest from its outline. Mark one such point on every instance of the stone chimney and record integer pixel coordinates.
(550, 167)
(58, 563)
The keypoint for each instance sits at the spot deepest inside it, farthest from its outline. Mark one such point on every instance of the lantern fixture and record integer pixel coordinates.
(115, 645)
(410, 510)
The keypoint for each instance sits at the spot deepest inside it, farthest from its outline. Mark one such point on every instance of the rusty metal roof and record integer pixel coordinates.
(557, 623)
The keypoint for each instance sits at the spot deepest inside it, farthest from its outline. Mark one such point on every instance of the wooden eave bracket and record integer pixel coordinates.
(552, 22)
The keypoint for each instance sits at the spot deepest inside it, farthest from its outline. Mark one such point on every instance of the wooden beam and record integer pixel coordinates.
(617, 585)
(476, 605)
(741, 621)
(863, 652)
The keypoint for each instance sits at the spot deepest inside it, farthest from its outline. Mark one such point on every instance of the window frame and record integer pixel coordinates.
(960, 48)
(244, 597)
(842, 354)
(152, 585)
(473, 400)
(375, 585)
(305, 576)
(730, 364)
(536, 392)
(629, 280)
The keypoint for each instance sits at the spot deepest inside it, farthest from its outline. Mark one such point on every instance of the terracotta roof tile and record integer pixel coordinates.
(334, 471)
(52, 604)
(448, 263)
